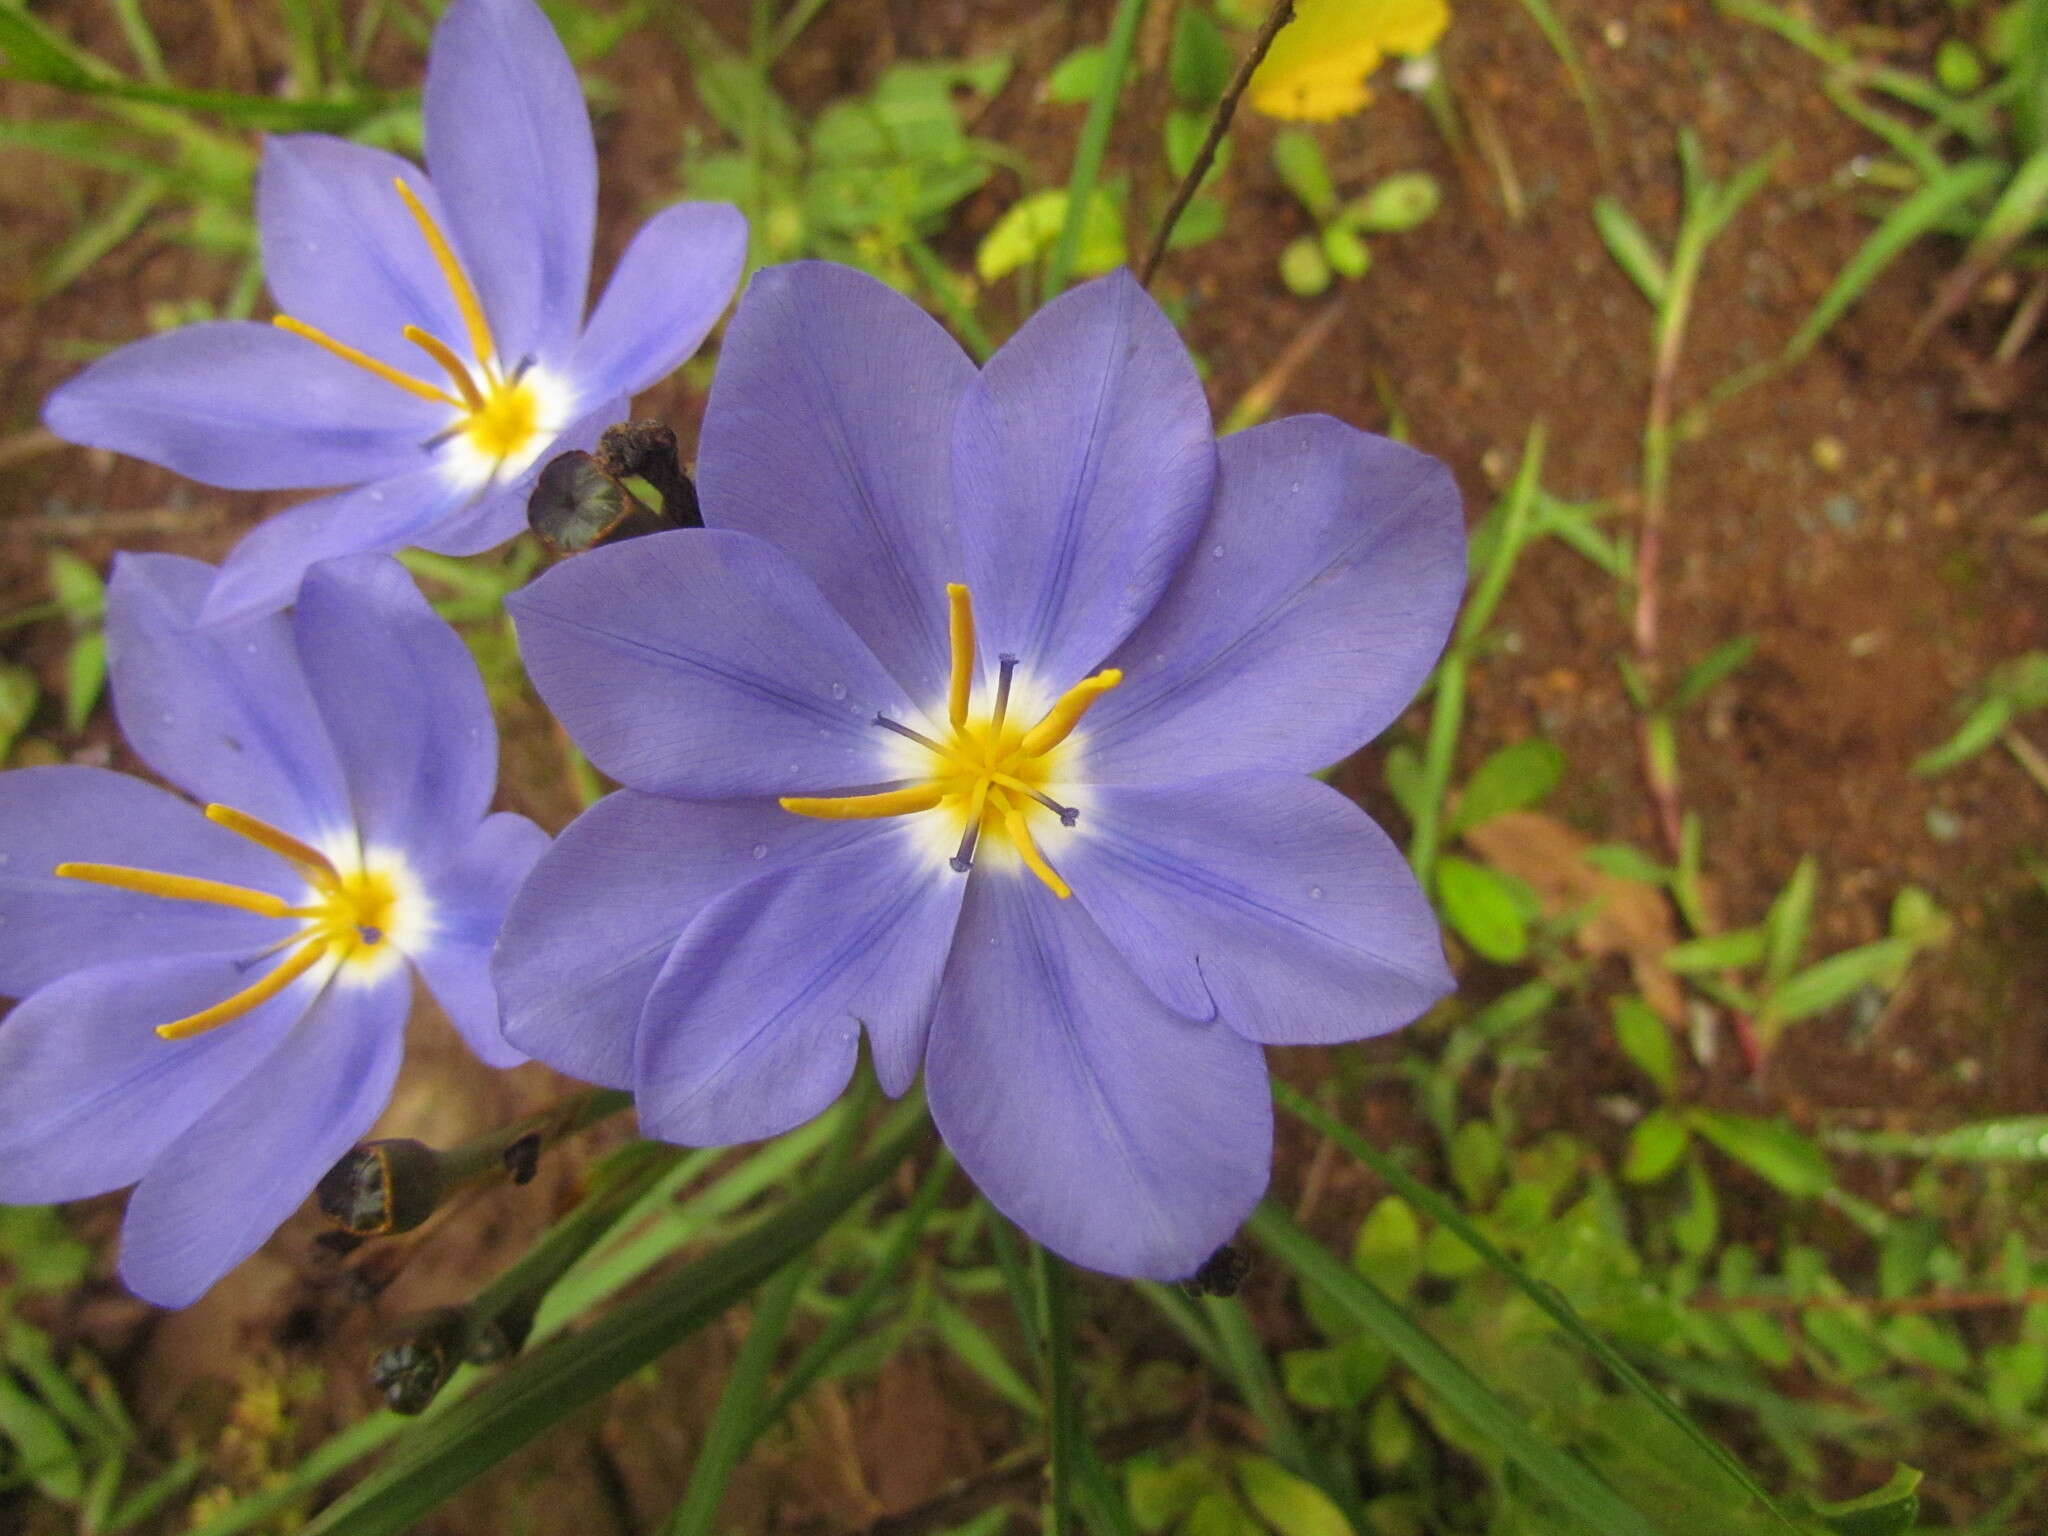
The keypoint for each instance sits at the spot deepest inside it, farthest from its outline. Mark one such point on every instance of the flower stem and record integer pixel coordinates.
(1123, 32)
(1061, 1411)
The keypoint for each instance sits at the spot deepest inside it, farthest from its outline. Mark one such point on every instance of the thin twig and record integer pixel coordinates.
(2027, 755)
(1226, 109)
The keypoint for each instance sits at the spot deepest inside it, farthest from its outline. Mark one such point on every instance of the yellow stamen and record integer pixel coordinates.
(1066, 713)
(316, 864)
(250, 998)
(349, 354)
(961, 688)
(149, 882)
(444, 354)
(892, 802)
(1020, 834)
(480, 343)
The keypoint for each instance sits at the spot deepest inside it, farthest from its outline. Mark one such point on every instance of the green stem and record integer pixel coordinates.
(1123, 33)
(1061, 1409)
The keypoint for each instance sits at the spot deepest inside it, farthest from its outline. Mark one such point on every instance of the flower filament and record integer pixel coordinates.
(347, 918)
(990, 771)
(498, 411)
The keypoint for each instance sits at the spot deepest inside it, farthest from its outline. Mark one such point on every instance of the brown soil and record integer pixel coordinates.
(1850, 515)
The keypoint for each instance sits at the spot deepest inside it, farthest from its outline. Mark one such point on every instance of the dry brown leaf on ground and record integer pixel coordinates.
(1630, 918)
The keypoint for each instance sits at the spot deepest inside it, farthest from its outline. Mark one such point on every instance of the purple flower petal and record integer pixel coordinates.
(246, 406)
(498, 511)
(49, 927)
(1083, 461)
(231, 1180)
(223, 712)
(591, 928)
(1270, 894)
(342, 253)
(1318, 599)
(262, 573)
(828, 434)
(90, 1095)
(509, 149)
(669, 289)
(1119, 1135)
(403, 704)
(706, 664)
(469, 896)
(754, 1025)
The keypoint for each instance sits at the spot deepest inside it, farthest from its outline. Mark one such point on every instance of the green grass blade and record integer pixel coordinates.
(1123, 33)
(1564, 1477)
(1547, 1298)
(536, 1393)
(1631, 249)
(1907, 222)
(1567, 52)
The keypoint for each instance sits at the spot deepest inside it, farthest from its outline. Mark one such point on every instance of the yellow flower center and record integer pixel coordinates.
(497, 411)
(990, 773)
(348, 919)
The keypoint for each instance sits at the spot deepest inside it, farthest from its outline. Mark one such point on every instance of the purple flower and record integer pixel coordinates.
(214, 1002)
(433, 347)
(980, 717)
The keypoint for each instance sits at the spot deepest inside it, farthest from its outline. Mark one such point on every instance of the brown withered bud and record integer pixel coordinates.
(522, 1158)
(580, 501)
(382, 1187)
(505, 1335)
(1222, 1273)
(411, 1372)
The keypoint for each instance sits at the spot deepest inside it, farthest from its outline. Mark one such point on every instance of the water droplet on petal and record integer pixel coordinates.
(1315, 893)
(839, 690)
(760, 850)
(1216, 552)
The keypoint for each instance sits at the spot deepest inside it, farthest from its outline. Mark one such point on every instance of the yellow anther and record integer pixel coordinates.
(960, 612)
(480, 343)
(1066, 713)
(149, 882)
(1020, 834)
(451, 365)
(892, 802)
(318, 867)
(363, 360)
(250, 998)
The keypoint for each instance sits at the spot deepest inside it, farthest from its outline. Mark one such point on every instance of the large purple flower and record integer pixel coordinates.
(433, 346)
(214, 1002)
(980, 717)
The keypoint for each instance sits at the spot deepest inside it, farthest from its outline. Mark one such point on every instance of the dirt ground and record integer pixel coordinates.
(1858, 516)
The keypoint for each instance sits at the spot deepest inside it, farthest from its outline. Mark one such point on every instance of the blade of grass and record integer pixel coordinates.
(1547, 1298)
(1573, 1485)
(1094, 140)
(1567, 52)
(1062, 1410)
(537, 1392)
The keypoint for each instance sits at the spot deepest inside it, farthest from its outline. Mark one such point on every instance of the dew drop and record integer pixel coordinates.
(1216, 552)
(760, 850)
(1315, 893)
(839, 690)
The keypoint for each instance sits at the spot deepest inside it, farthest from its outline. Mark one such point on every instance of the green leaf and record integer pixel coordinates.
(1477, 1156)
(1646, 1040)
(1304, 269)
(1462, 1395)
(1482, 907)
(18, 695)
(1394, 206)
(1712, 670)
(85, 674)
(1160, 1493)
(1198, 65)
(1655, 1146)
(1835, 980)
(1512, 779)
(1698, 1227)
(1787, 921)
(1076, 78)
(1200, 222)
(42, 1451)
(1980, 729)
(1289, 1503)
(1628, 863)
(1735, 950)
(77, 588)
(1388, 1247)
(1631, 249)
(1892, 1510)
(1769, 1148)
(444, 1453)
(1348, 256)
(1389, 1434)
(1298, 157)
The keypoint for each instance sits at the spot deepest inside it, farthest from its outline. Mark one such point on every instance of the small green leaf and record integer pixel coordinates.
(1735, 950)
(1389, 1435)
(1303, 171)
(1483, 909)
(1395, 205)
(1404, 776)
(1200, 222)
(1160, 1493)
(1713, 669)
(1979, 730)
(1631, 249)
(1218, 1514)
(1076, 78)
(1289, 1503)
(1957, 68)
(1348, 256)
(41, 1448)
(1027, 231)
(18, 695)
(1627, 863)
(1655, 1146)
(77, 588)
(1304, 268)
(1698, 1227)
(1646, 1040)
(1769, 1148)
(1388, 1248)
(1512, 779)
(1892, 1510)
(1199, 63)
(85, 674)
(1477, 1156)
(1833, 981)
(1786, 923)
